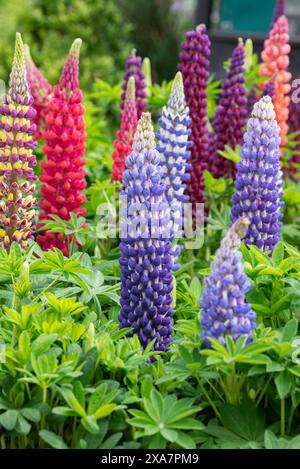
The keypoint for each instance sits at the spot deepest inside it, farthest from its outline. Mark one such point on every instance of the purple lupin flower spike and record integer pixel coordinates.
(231, 112)
(279, 10)
(225, 311)
(251, 99)
(194, 66)
(134, 68)
(259, 178)
(16, 159)
(146, 254)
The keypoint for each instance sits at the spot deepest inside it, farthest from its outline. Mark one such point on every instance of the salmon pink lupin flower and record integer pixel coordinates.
(259, 181)
(225, 311)
(231, 112)
(40, 90)
(124, 140)
(63, 178)
(275, 57)
(16, 158)
(133, 68)
(146, 254)
(194, 65)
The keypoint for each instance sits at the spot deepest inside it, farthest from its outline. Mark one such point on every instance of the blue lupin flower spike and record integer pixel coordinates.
(173, 146)
(146, 256)
(225, 311)
(259, 178)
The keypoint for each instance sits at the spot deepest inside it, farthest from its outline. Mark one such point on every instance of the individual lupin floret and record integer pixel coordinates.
(225, 311)
(63, 178)
(40, 90)
(124, 140)
(259, 181)
(146, 254)
(16, 158)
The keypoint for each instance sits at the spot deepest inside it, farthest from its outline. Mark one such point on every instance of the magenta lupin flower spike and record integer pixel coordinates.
(16, 158)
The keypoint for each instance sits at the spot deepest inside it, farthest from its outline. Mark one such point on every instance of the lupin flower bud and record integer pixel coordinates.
(40, 90)
(275, 57)
(259, 182)
(16, 158)
(124, 140)
(194, 68)
(279, 10)
(146, 254)
(231, 112)
(134, 69)
(63, 173)
(225, 311)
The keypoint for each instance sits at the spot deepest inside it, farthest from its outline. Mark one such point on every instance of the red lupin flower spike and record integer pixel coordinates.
(63, 177)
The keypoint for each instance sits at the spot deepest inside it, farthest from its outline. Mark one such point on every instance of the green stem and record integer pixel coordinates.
(209, 399)
(264, 390)
(282, 417)
(216, 391)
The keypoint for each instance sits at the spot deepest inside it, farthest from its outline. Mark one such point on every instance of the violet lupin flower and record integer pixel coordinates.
(146, 255)
(259, 178)
(231, 112)
(133, 68)
(279, 10)
(225, 311)
(269, 90)
(16, 158)
(194, 65)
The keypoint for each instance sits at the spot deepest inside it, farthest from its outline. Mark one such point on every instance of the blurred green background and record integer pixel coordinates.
(110, 28)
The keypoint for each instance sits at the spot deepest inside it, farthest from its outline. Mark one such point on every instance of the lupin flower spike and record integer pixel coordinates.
(279, 10)
(16, 158)
(173, 145)
(259, 181)
(225, 311)
(124, 140)
(231, 112)
(40, 90)
(275, 57)
(134, 69)
(146, 256)
(194, 66)
(63, 173)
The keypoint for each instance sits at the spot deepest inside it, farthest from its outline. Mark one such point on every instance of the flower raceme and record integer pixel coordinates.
(224, 310)
(124, 140)
(133, 68)
(40, 90)
(16, 158)
(259, 181)
(173, 146)
(194, 65)
(231, 112)
(63, 173)
(146, 254)
(275, 57)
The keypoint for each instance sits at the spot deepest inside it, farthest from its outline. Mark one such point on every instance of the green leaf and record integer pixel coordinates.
(53, 440)
(43, 343)
(170, 435)
(9, 419)
(289, 331)
(185, 441)
(271, 442)
(90, 424)
(283, 383)
(33, 415)
(278, 254)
